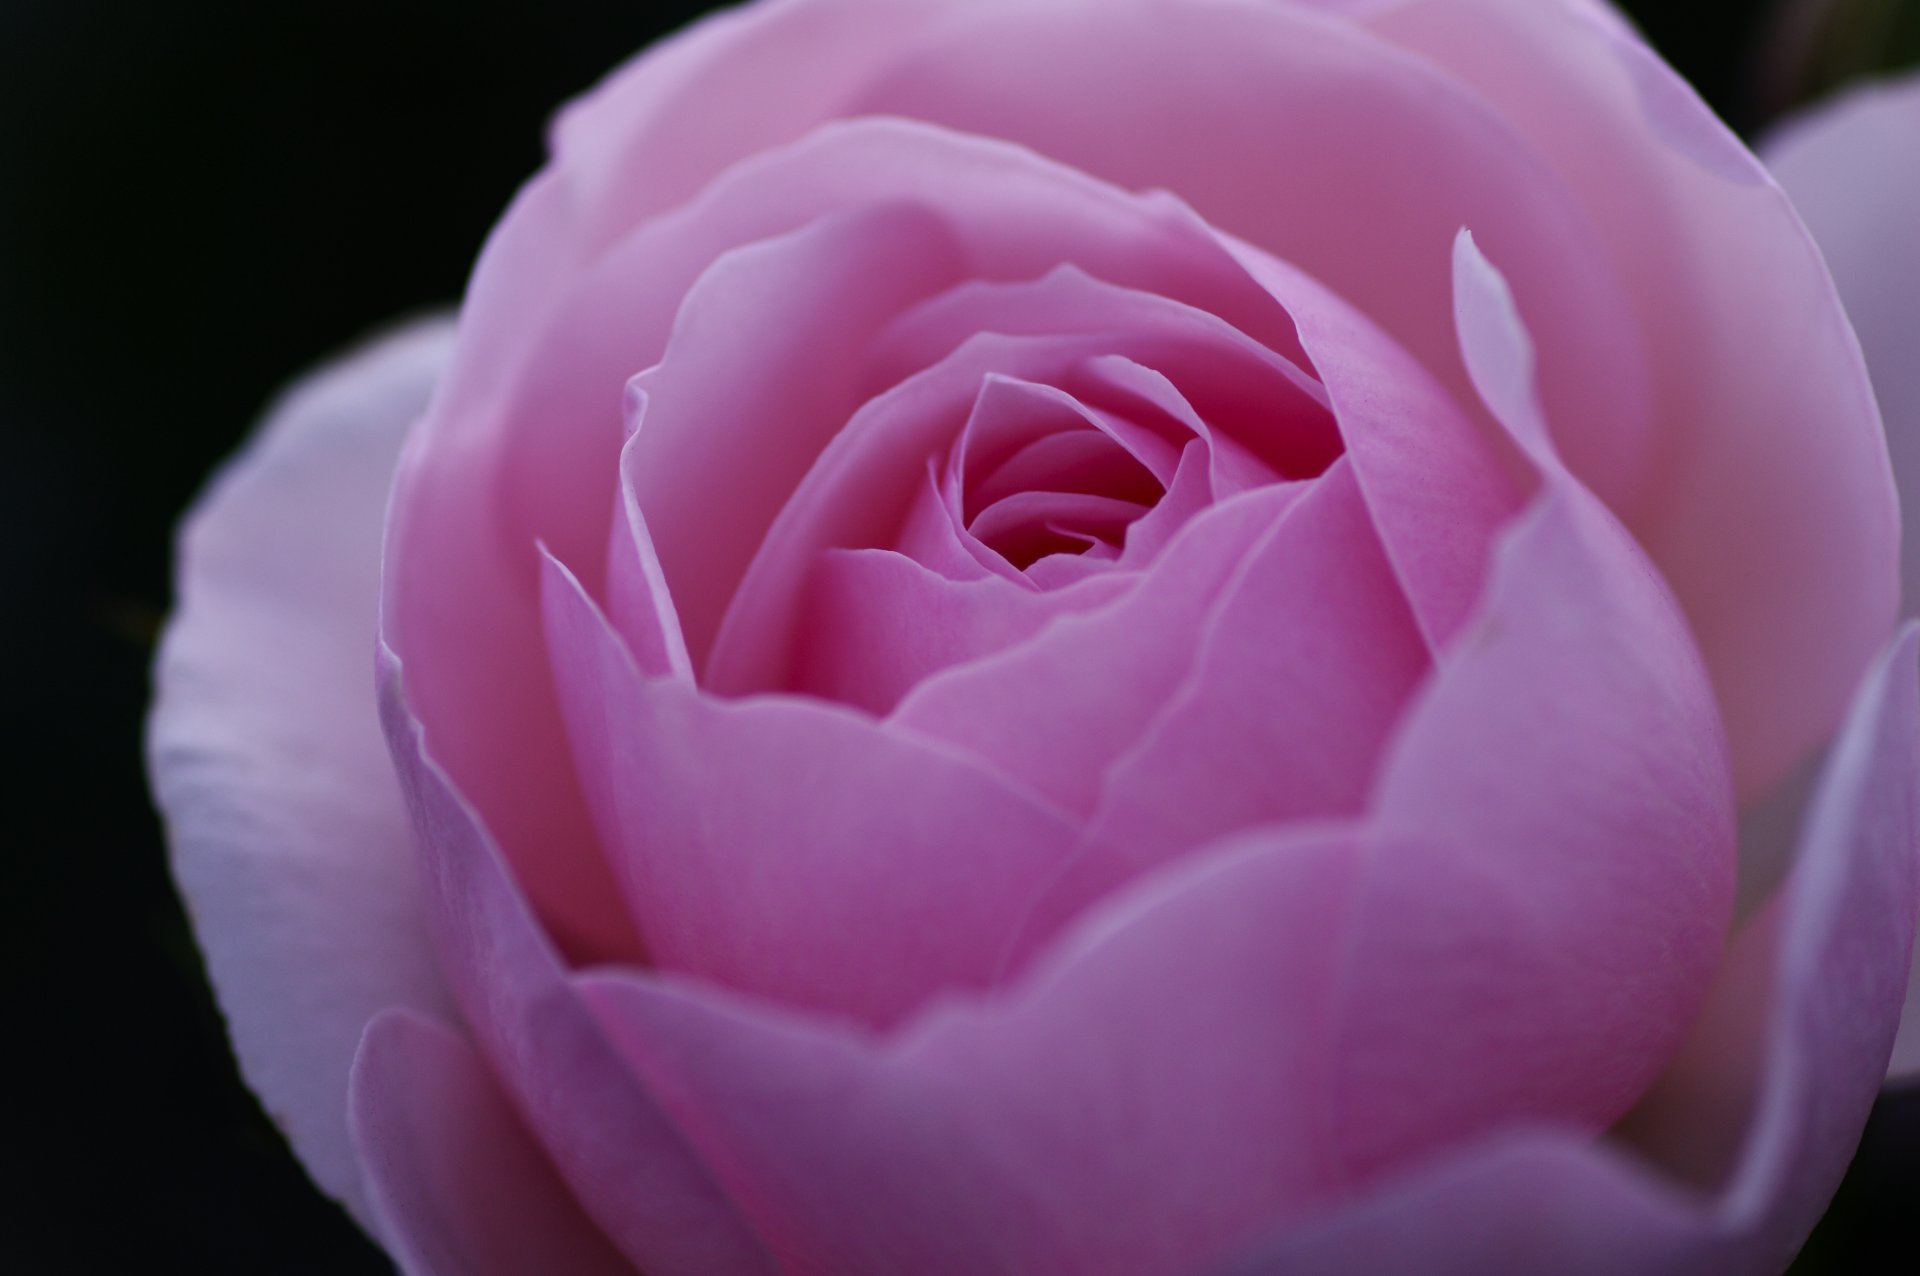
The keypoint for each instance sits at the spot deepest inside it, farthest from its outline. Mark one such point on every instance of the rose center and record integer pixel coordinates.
(1036, 474)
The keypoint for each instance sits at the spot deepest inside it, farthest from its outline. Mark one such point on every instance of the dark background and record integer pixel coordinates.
(197, 200)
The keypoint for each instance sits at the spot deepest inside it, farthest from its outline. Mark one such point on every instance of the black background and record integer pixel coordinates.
(197, 200)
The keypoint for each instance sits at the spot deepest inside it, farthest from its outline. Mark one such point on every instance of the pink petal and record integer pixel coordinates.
(1554, 832)
(648, 139)
(1834, 951)
(1277, 126)
(1072, 1127)
(528, 428)
(289, 840)
(1828, 965)
(1074, 460)
(865, 490)
(1853, 169)
(1011, 415)
(618, 1155)
(1187, 495)
(1778, 537)
(1153, 452)
(1056, 711)
(791, 848)
(1026, 514)
(1531, 1202)
(1554, 824)
(933, 536)
(1126, 388)
(1433, 479)
(1249, 388)
(1303, 667)
(718, 452)
(660, 128)
(460, 1187)
(639, 604)
(1047, 1131)
(877, 624)
(863, 486)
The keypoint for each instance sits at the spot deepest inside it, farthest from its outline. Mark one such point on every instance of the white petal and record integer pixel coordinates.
(290, 844)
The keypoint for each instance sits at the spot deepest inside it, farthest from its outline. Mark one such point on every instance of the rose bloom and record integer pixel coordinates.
(1052, 637)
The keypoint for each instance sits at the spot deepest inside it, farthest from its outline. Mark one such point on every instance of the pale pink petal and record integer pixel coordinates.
(454, 584)
(1853, 170)
(618, 1155)
(1801, 1018)
(1070, 1127)
(289, 840)
(458, 1184)
(1835, 952)
(1778, 537)
(1345, 8)
(790, 847)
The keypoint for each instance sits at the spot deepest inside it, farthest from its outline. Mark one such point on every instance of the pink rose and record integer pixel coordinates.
(1061, 637)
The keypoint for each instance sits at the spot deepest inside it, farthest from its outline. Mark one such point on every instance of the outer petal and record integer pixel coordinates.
(460, 1187)
(1554, 819)
(1834, 958)
(626, 1165)
(984, 1139)
(1773, 516)
(290, 843)
(1853, 169)
(1071, 1128)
